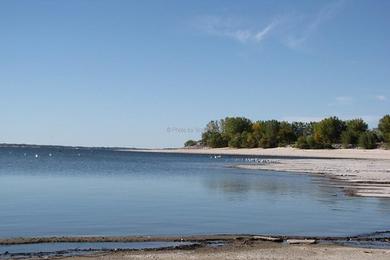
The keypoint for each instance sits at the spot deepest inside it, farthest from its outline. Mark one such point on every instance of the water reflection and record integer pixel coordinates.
(267, 182)
(87, 192)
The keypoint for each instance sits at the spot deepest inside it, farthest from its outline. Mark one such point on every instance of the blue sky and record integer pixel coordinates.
(153, 73)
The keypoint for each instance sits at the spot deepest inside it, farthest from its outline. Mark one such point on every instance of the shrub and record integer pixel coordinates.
(286, 134)
(268, 142)
(231, 126)
(356, 125)
(235, 142)
(367, 140)
(248, 140)
(270, 136)
(302, 129)
(354, 128)
(348, 138)
(214, 140)
(302, 143)
(328, 131)
(384, 127)
(190, 143)
(313, 144)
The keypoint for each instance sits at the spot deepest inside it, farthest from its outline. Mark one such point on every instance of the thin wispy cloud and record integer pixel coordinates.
(347, 100)
(290, 29)
(260, 36)
(307, 25)
(233, 29)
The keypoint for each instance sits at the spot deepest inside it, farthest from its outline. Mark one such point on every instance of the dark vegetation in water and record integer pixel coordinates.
(331, 132)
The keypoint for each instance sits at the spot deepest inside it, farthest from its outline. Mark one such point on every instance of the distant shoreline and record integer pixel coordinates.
(278, 152)
(54, 146)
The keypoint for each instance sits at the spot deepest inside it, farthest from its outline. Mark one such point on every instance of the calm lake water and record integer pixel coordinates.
(70, 192)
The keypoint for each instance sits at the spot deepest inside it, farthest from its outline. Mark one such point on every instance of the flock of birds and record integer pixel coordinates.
(50, 155)
(248, 160)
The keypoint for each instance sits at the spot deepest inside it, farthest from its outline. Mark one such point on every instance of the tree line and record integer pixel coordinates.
(331, 132)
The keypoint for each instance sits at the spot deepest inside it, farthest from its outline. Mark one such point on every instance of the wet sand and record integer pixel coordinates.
(227, 247)
(361, 172)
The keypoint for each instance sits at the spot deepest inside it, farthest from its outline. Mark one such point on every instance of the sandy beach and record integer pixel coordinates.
(360, 172)
(222, 247)
(262, 250)
(281, 152)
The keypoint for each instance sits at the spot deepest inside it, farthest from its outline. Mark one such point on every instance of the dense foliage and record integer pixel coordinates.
(384, 128)
(240, 132)
(190, 143)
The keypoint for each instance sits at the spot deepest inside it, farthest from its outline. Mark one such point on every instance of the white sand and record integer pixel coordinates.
(363, 177)
(284, 152)
(250, 253)
(362, 172)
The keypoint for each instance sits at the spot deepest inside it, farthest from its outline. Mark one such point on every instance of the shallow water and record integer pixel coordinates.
(68, 249)
(71, 192)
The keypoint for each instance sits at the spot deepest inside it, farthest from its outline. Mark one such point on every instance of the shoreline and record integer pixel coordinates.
(249, 250)
(232, 247)
(363, 173)
(374, 236)
(282, 152)
(358, 177)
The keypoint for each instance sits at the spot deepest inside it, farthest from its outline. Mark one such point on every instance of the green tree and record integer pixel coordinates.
(357, 125)
(231, 126)
(213, 140)
(302, 129)
(384, 127)
(235, 141)
(257, 132)
(270, 135)
(314, 144)
(302, 143)
(190, 143)
(348, 138)
(212, 136)
(214, 126)
(354, 128)
(286, 134)
(240, 132)
(328, 131)
(367, 140)
(248, 140)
